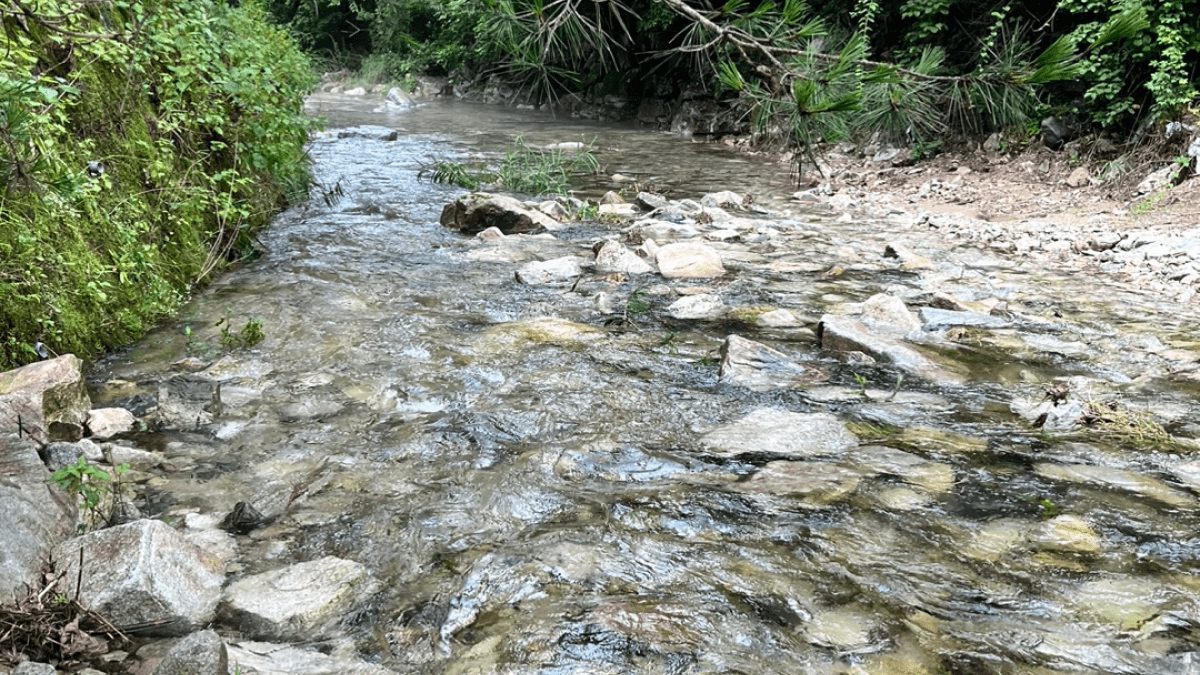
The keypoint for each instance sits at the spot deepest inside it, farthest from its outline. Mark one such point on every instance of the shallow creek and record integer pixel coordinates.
(535, 501)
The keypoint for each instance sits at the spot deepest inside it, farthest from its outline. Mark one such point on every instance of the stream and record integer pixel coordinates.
(535, 491)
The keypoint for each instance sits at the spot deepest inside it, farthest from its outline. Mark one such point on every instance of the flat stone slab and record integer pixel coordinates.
(814, 484)
(689, 260)
(145, 574)
(845, 334)
(781, 432)
(757, 367)
(298, 602)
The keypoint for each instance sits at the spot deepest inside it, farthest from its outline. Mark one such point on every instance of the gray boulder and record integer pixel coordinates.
(563, 270)
(266, 658)
(189, 401)
(613, 256)
(104, 423)
(37, 516)
(476, 212)
(300, 602)
(689, 260)
(844, 334)
(145, 575)
(47, 400)
(201, 653)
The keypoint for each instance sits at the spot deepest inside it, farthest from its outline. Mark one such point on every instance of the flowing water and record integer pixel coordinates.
(533, 496)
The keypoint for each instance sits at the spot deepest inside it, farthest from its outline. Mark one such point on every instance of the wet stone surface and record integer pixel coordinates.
(555, 478)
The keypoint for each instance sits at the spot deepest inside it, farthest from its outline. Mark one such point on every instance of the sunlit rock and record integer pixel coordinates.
(1188, 473)
(134, 457)
(688, 260)
(666, 231)
(619, 211)
(757, 367)
(1066, 534)
(1118, 479)
(841, 628)
(902, 499)
(781, 432)
(563, 270)
(145, 574)
(887, 315)
(703, 307)
(613, 256)
(935, 477)
(725, 199)
(845, 334)
(995, 539)
(814, 484)
(46, 399)
(37, 515)
(477, 211)
(103, 423)
(777, 318)
(663, 626)
(1124, 602)
(299, 602)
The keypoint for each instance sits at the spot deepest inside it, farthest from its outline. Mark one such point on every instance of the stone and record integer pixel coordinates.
(38, 516)
(490, 235)
(777, 318)
(145, 575)
(61, 454)
(104, 423)
(1155, 181)
(300, 602)
(888, 315)
(935, 477)
(560, 271)
(619, 211)
(46, 399)
(661, 230)
(816, 484)
(844, 334)
(34, 668)
(134, 457)
(939, 319)
(1066, 534)
(1079, 178)
(780, 432)
(1118, 479)
(723, 200)
(477, 211)
(689, 260)
(398, 100)
(201, 653)
(189, 401)
(703, 307)
(1055, 133)
(266, 658)
(1188, 473)
(757, 367)
(613, 256)
(651, 201)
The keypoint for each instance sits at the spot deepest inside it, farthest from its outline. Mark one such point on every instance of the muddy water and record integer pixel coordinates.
(534, 497)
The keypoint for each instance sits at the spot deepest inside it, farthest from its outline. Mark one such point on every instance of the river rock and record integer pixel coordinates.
(189, 400)
(1066, 534)
(939, 319)
(887, 315)
(1079, 178)
(37, 515)
(843, 334)
(559, 271)
(777, 318)
(104, 423)
(46, 398)
(145, 574)
(134, 457)
(541, 330)
(816, 484)
(1127, 603)
(613, 256)
(299, 602)
(936, 477)
(841, 628)
(1188, 473)
(651, 201)
(619, 211)
(266, 658)
(725, 199)
(477, 211)
(61, 454)
(689, 260)
(757, 367)
(781, 432)
(703, 307)
(664, 231)
(34, 668)
(1107, 477)
(201, 653)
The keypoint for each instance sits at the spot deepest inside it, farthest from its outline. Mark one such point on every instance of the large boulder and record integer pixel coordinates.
(689, 260)
(145, 575)
(300, 602)
(37, 516)
(477, 211)
(189, 401)
(46, 400)
(201, 653)
(845, 334)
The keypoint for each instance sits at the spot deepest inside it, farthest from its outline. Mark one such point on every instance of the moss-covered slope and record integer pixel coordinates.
(141, 146)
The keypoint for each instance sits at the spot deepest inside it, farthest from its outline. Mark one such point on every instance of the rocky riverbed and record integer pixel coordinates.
(832, 430)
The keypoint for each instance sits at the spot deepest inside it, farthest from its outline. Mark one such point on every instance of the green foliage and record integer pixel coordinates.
(250, 334)
(91, 486)
(194, 112)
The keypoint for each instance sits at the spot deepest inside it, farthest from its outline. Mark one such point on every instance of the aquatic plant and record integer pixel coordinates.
(523, 169)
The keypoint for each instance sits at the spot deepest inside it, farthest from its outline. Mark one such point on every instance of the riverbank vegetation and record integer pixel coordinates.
(142, 145)
(924, 69)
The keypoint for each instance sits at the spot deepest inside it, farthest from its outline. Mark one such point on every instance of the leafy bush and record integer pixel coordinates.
(142, 144)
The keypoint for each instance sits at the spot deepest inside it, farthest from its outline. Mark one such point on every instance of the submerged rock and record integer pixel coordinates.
(844, 334)
(299, 602)
(816, 484)
(703, 307)
(757, 367)
(189, 401)
(1066, 534)
(780, 432)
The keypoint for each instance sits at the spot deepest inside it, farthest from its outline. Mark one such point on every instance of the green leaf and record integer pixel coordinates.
(729, 75)
(1122, 26)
